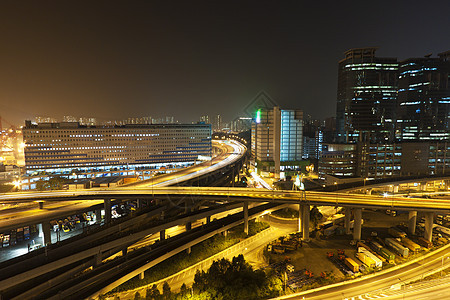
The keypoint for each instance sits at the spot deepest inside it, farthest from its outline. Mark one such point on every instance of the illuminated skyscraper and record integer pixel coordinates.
(205, 119)
(366, 98)
(424, 98)
(217, 123)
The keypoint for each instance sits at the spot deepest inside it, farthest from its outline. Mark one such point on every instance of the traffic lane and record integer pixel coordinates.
(230, 157)
(313, 198)
(418, 290)
(227, 151)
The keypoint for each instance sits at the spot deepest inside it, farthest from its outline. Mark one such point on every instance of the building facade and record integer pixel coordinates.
(370, 160)
(277, 139)
(338, 160)
(424, 98)
(64, 148)
(366, 97)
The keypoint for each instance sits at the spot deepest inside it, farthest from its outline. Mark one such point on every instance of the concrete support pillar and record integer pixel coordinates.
(187, 206)
(124, 252)
(98, 260)
(208, 219)
(396, 187)
(299, 223)
(357, 214)
(107, 206)
(348, 216)
(188, 226)
(139, 203)
(428, 234)
(162, 235)
(305, 222)
(162, 215)
(188, 250)
(246, 217)
(141, 275)
(225, 233)
(41, 204)
(412, 218)
(98, 216)
(423, 186)
(46, 233)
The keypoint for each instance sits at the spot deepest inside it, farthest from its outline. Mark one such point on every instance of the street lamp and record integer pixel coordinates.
(17, 184)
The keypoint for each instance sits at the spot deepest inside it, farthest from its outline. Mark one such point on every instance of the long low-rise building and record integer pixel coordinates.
(70, 149)
(365, 160)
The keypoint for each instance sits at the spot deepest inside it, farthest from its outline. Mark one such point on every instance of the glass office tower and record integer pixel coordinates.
(366, 97)
(424, 98)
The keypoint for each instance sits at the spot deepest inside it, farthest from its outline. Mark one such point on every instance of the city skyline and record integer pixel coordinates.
(117, 61)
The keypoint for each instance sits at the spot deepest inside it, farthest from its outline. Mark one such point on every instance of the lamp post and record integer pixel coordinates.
(336, 184)
(364, 187)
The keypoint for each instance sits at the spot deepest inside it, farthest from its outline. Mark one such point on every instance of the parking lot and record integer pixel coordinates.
(311, 263)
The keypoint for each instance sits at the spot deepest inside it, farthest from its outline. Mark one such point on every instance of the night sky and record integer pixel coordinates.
(119, 59)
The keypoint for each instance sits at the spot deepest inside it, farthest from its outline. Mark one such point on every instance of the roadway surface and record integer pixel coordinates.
(427, 290)
(312, 198)
(231, 151)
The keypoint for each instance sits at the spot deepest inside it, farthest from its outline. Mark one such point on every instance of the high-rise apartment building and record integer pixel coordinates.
(41, 119)
(366, 97)
(206, 119)
(424, 98)
(88, 121)
(241, 124)
(277, 139)
(217, 123)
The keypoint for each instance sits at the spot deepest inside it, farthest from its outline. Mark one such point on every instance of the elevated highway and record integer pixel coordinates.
(221, 193)
(50, 274)
(353, 203)
(173, 196)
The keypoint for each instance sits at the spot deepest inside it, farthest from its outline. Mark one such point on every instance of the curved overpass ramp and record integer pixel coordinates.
(231, 151)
